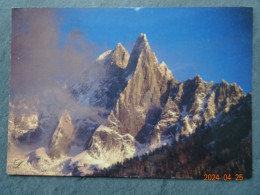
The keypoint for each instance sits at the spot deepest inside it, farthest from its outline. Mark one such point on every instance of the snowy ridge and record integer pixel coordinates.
(103, 57)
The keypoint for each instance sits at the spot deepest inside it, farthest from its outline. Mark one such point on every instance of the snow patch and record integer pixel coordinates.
(101, 58)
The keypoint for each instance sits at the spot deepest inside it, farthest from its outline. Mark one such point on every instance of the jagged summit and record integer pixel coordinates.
(143, 36)
(119, 45)
(224, 82)
(141, 43)
(119, 56)
(141, 46)
(198, 78)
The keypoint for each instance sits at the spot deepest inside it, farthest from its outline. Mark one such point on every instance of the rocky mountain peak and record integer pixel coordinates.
(141, 43)
(119, 46)
(142, 36)
(119, 57)
(62, 136)
(223, 82)
(197, 77)
(141, 47)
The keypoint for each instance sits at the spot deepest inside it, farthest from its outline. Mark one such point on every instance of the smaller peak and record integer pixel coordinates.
(197, 77)
(233, 84)
(119, 45)
(224, 82)
(163, 68)
(163, 64)
(119, 56)
(119, 48)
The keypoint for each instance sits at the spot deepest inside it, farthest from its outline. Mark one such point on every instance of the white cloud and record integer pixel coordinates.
(137, 8)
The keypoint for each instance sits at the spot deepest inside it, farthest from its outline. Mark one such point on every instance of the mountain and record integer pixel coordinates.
(154, 108)
(146, 120)
(191, 105)
(222, 148)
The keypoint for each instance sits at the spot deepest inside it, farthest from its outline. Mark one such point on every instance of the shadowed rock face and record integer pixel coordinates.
(62, 137)
(114, 83)
(114, 62)
(104, 90)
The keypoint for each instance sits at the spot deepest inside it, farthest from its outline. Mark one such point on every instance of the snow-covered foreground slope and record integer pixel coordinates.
(135, 107)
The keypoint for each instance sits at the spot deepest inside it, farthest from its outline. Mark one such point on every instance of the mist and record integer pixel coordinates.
(42, 68)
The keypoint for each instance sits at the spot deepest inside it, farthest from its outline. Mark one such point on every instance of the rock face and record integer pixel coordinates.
(119, 58)
(23, 124)
(144, 91)
(62, 137)
(114, 82)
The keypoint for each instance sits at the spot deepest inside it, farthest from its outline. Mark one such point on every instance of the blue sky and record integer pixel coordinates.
(215, 43)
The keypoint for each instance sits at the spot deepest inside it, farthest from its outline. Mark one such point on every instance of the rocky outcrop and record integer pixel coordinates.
(62, 137)
(119, 58)
(110, 146)
(24, 124)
